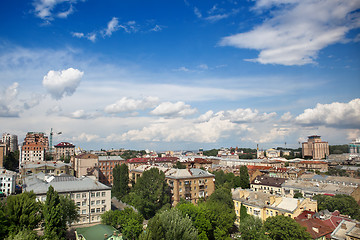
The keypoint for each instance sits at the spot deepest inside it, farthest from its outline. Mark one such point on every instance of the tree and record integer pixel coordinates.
(179, 165)
(212, 152)
(70, 210)
(243, 213)
(298, 195)
(252, 228)
(120, 186)
(11, 161)
(55, 224)
(281, 227)
(171, 224)
(150, 193)
(244, 177)
(222, 196)
(4, 223)
(23, 212)
(344, 203)
(198, 218)
(25, 234)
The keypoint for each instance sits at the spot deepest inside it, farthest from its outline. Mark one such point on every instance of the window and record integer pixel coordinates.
(103, 194)
(77, 203)
(84, 195)
(92, 210)
(83, 203)
(83, 211)
(180, 189)
(102, 201)
(103, 209)
(92, 203)
(97, 202)
(98, 194)
(78, 195)
(92, 194)
(98, 210)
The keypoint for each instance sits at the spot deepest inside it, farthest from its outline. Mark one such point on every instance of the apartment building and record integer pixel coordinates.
(267, 184)
(307, 165)
(106, 165)
(92, 197)
(7, 181)
(190, 184)
(63, 151)
(10, 141)
(51, 168)
(264, 205)
(84, 164)
(34, 147)
(315, 148)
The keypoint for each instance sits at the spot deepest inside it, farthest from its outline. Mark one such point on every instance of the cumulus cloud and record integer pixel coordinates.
(169, 109)
(126, 104)
(297, 30)
(60, 83)
(48, 9)
(339, 115)
(7, 99)
(246, 115)
(286, 117)
(112, 26)
(85, 137)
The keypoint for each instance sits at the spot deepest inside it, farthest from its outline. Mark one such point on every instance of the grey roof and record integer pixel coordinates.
(177, 173)
(111, 158)
(268, 181)
(50, 164)
(39, 183)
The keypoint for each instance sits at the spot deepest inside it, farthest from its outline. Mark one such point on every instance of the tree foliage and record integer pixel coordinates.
(127, 221)
(25, 234)
(70, 210)
(344, 203)
(11, 161)
(179, 165)
(298, 195)
(171, 224)
(120, 186)
(244, 177)
(150, 193)
(252, 228)
(55, 223)
(285, 228)
(227, 180)
(23, 212)
(212, 152)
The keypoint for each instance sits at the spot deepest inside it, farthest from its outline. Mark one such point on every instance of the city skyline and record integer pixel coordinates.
(181, 75)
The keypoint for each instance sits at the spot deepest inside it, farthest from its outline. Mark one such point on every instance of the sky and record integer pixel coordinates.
(181, 74)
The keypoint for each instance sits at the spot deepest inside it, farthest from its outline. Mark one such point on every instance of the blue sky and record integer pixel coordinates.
(181, 74)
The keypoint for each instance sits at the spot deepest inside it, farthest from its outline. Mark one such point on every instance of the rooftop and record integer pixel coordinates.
(177, 173)
(97, 232)
(64, 144)
(268, 181)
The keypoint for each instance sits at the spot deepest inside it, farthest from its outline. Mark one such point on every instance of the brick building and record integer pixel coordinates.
(315, 148)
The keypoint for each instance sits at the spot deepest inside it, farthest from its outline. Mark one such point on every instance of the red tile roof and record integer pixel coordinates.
(64, 144)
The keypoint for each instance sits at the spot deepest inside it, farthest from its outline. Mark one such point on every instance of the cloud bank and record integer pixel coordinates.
(61, 83)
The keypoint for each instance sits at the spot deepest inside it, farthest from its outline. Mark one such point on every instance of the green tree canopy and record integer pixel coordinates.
(120, 186)
(171, 224)
(55, 223)
(150, 193)
(222, 196)
(285, 228)
(179, 165)
(244, 177)
(344, 203)
(298, 195)
(252, 228)
(23, 212)
(70, 210)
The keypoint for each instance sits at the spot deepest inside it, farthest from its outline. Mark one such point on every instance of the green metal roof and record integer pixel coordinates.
(97, 232)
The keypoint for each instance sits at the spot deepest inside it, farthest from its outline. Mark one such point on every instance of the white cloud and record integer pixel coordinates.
(197, 12)
(60, 83)
(157, 28)
(339, 115)
(126, 104)
(286, 117)
(112, 26)
(47, 9)
(275, 134)
(7, 98)
(297, 30)
(177, 109)
(203, 66)
(206, 116)
(85, 137)
(78, 34)
(246, 115)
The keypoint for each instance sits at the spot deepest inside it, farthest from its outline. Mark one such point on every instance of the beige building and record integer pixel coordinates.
(85, 163)
(315, 148)
(92, 197)
(190, 184)
(267, 184)
(306, 165)
(264, 205)
(51, 168)
(64, 151)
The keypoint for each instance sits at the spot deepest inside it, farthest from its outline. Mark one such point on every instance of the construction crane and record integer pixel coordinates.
(51, 136)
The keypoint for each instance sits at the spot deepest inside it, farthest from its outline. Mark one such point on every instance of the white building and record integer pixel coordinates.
(92, 197)
(7, 181)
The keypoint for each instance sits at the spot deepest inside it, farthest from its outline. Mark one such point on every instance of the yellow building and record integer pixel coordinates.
(264, 205)
(190, 184)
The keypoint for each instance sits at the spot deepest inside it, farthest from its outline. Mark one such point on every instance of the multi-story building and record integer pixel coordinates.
(34, 147)
(315, 148)
(64, 151)
(190, 184)
(264, 205)
(106, 165)
(51, 168)
(2, 154)
(85, 163)
(307, 165)
(267, 184)
(92, 197)
(272, 153)
(164, 161)
(7, 181)
(354, 146)
(11, 142)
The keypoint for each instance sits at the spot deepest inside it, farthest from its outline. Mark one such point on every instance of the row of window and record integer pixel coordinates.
(93, 210)
(83, 203)
(84, 195)
(4, 184)
(4, 178)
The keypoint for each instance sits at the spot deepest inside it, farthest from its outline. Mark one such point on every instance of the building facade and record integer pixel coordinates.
(85, 163)
(64, 151)
(93, 198)
(7, 181)
(189, 184)
(315, 148)
(267, 184)
(264, 205)
(34, 147)
(106, 165)
(11, 142)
